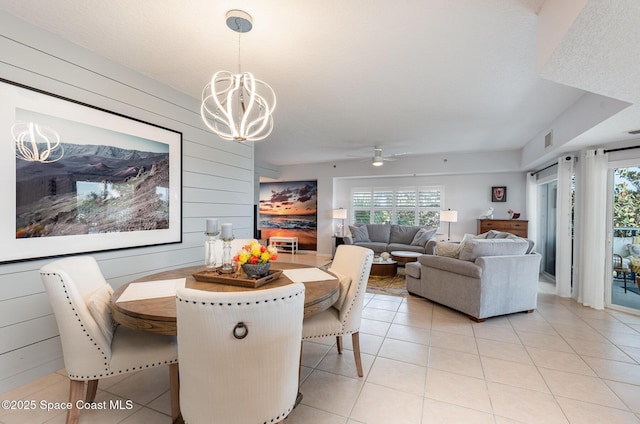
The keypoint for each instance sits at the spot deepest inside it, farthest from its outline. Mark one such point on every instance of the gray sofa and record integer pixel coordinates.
(387, 238)
(490, 277)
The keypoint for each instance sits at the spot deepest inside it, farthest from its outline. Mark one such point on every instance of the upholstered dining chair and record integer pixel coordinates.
(93, 347)
(239, 354)
(352, 265)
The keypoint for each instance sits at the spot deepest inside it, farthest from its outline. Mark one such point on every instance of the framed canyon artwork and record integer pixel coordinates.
(83, 179)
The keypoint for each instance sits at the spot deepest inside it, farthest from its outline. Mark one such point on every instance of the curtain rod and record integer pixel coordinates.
(621, 149)
(544, 169)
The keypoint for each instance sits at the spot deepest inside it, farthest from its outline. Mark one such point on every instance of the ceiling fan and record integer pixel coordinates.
(379, 159)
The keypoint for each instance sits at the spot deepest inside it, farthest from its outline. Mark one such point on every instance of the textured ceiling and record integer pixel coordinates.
(419, 76)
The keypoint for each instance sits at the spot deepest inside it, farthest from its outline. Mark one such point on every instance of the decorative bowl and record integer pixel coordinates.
(256, 270)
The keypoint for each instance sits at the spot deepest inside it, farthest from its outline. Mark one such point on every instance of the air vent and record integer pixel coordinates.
(548, 139)
(634, 132)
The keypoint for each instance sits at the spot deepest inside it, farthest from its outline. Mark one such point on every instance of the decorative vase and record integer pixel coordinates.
(256, 270)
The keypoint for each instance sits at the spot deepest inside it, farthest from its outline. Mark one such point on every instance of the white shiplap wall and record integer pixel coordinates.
(217, 181)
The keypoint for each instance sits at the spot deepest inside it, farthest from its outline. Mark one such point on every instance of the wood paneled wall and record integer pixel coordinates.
(217, 181)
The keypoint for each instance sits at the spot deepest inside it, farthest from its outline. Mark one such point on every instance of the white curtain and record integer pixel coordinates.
(532, 206)
(563, 227)
(590, 233)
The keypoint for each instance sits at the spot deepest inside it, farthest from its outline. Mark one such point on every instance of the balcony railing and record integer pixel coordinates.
(626, 231)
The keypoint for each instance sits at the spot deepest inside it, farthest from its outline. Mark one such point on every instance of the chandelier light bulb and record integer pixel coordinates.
(36, 143)
(238, 106)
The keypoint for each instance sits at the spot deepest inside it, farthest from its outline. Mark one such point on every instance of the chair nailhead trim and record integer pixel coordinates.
(279, 417)
(368, 260)
(195, 302)
(107, 372)
(64, 287)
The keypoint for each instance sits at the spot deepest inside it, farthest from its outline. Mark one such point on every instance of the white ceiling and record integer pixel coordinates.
(419, 76)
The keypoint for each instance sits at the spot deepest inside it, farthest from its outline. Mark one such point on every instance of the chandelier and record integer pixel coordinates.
(36, 143)
(238, 106)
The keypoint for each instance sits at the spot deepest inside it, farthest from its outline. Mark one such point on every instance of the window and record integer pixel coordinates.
(404, 206)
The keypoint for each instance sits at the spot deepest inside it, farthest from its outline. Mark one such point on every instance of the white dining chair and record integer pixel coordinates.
(93, 347)
(239, 354)
(352, 264)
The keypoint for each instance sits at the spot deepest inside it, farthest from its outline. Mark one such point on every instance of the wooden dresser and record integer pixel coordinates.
(513, 226)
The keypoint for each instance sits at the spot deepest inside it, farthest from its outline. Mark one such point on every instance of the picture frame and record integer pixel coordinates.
(290, 209)
(83, 179)
(499, 194)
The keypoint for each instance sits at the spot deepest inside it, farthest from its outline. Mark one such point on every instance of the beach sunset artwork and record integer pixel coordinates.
(289, 209)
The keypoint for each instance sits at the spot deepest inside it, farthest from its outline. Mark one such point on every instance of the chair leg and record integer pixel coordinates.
(76, 393)
(174, 385)
(339, 344)
(92, 389)
(355, 340)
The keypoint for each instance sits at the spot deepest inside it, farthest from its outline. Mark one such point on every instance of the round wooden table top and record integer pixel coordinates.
(159, 315)
(405, 256)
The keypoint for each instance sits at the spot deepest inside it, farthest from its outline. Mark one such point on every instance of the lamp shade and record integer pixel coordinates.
(339, 214)
(449, 216)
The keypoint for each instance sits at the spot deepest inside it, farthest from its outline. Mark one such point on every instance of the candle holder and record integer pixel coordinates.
(210, 249)
(227, 266)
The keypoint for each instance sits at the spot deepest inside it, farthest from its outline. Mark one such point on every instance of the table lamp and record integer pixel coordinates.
(449, 216)
(340, 214)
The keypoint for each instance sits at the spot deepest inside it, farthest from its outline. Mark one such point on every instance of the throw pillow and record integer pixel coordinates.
(468, 237)
(423, 236)
(359, 233)
(345, 283)
(530, 242)
(476, 248)
(99, 307)
(449, 250)
(494, 234)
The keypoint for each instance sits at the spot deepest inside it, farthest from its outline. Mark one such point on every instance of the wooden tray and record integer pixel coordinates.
(214, 276)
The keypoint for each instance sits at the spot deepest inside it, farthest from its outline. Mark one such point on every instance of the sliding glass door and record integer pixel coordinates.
(548, 218)
(625, 246)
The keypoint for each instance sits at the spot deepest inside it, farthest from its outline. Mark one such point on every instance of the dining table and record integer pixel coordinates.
(158, 314)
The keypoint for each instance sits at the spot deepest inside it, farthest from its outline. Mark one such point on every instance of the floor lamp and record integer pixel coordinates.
(449, 216)
(340, 214)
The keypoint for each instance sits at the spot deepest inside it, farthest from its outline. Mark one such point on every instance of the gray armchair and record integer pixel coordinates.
(491, 277)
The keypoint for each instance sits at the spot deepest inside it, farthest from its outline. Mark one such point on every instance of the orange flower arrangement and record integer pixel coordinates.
(254, 253)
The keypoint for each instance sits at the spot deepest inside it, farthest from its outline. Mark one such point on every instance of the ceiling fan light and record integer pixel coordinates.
(377, 161)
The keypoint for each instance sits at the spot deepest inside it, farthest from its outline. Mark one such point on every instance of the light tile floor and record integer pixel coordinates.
(425, 363)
